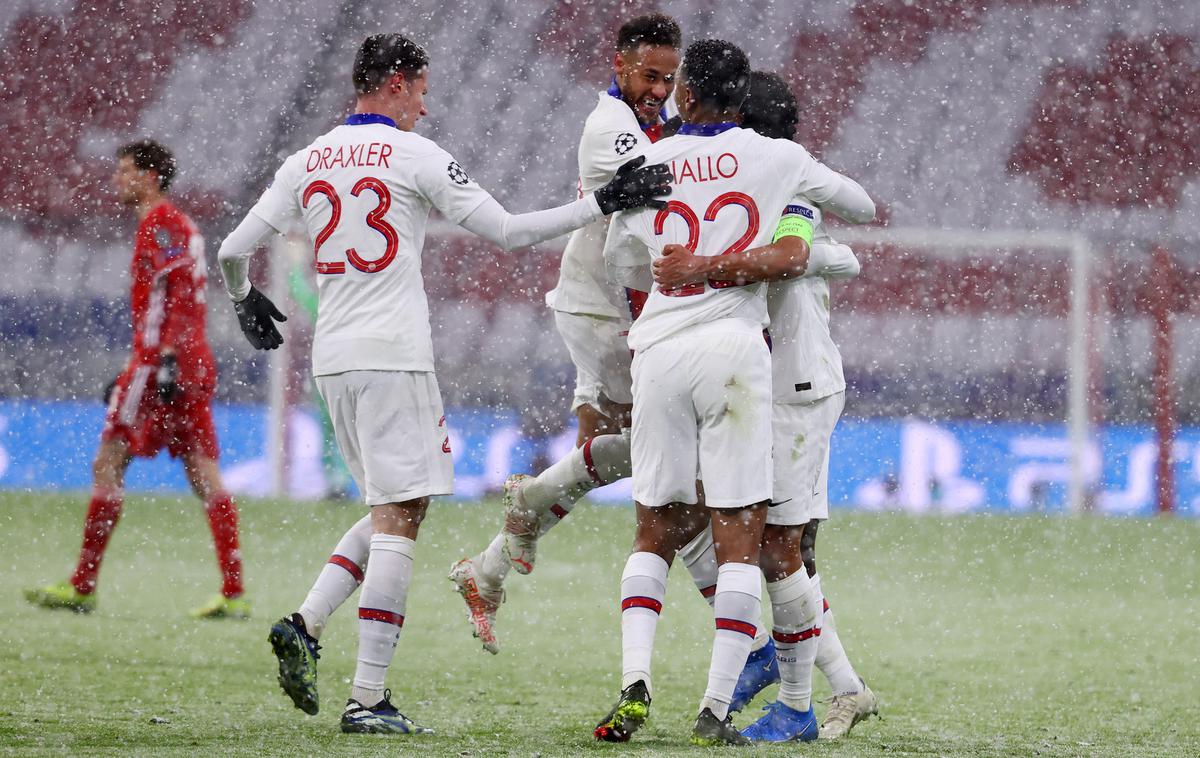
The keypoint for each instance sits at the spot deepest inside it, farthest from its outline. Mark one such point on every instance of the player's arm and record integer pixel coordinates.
(180, 312)
(255, 311)
(275, 211)
(834, 192)
(466, 203)
(786, 257)
(832, 260)
(626, 257)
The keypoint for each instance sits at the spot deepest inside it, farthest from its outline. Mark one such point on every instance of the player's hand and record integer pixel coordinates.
(166, 379)
(679, 266)
(257, 315)
(110, 388)
(634, 186)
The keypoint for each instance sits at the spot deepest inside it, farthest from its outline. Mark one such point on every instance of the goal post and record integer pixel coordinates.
(1078, 251)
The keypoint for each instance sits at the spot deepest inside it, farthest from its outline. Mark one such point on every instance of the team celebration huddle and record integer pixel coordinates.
(693, 298)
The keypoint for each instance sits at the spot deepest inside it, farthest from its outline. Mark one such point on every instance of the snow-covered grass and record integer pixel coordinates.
(982, 636)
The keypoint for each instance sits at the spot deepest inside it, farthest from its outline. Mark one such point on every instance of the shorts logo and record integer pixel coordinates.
(162, 238)
(445, 442)
(798, 209)
(456, 173)
(625, 142)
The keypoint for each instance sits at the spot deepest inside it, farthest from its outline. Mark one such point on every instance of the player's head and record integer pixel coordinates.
(645, 64)
(391, 73)
(714, 79)
(144, 168)
(770, 108)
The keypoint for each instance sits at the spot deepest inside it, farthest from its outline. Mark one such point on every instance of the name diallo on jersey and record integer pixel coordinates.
(704, 168)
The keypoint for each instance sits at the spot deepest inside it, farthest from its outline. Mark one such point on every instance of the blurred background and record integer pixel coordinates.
(1023, 336)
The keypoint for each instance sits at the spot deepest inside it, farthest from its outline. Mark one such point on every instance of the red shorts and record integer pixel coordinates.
(137, 416)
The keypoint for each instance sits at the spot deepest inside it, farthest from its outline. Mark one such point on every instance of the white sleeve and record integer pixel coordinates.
(279, 204)
(607, 148)
(626, 256)
(490, 221)
(235, 252)
(832, 261)
(833, 192)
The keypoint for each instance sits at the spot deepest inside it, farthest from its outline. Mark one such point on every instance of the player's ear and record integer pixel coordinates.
(397, 82)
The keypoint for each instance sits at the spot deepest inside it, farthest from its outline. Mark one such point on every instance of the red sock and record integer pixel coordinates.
(222, 519)
(104, 510)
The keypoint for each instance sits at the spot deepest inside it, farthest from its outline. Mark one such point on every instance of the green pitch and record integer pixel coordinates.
(981, 636)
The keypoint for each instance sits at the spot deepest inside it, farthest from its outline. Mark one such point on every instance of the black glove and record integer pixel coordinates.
(110, 388)
(255, 314)
(167, 377)
(633, 187)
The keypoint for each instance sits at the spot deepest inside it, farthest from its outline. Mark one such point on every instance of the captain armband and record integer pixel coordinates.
(794, 225)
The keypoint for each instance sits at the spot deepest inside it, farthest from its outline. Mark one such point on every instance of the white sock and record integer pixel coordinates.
(831, 656)
(738, 609)
(602, 460)
(700, 557)
(796, 614)
(491, 567)
(339, 578)
(643, 589)
(381, 613)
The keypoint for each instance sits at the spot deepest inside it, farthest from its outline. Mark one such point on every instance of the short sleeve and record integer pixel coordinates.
(279, 204)
(448, 187)
(608, 148)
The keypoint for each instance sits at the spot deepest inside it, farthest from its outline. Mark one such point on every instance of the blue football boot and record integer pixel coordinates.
(761, 671)
(783, 724)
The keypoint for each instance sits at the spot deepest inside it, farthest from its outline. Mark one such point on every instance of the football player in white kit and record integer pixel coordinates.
(701, 372)
(809, 393)
(364, 191)
(593, 316)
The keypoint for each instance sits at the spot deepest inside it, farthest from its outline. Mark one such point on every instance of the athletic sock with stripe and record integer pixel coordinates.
(338, 579)
(643, 589)
(795, 612)
(738, 609)
(381, 613)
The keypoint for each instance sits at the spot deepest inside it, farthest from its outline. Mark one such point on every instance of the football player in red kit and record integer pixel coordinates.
(162, 399)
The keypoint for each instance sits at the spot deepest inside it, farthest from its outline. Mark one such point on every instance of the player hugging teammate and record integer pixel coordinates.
(693, 417)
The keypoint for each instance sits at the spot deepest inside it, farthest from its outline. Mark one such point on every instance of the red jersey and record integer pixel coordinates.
(167, 295)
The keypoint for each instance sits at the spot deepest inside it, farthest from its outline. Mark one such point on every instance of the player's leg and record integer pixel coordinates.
(204, 475)
(761, 669)
(664, 457)
(381, 611)
(661, 532)
(294, 637)
(104, 510)
(731, 391)
(339, 578)
(401, 434)
(795, 612)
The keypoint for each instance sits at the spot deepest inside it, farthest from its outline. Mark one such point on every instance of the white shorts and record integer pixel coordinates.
(392, 433)
(801, 458)
(601, 356)
(702, 410)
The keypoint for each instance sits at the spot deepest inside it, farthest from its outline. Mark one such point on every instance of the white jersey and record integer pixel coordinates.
(729, 187)
(805, 362)
(364, 191)
(611, 137)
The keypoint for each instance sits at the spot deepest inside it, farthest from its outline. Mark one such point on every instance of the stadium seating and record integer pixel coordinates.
(1010, 114)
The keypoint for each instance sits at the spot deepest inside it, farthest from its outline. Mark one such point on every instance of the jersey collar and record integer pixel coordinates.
(706, 130)
(359, 119)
